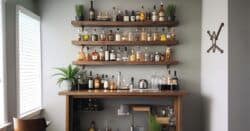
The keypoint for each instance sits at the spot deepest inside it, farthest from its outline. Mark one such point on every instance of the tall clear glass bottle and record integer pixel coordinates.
(138, 54)
(118, 54)
(125, 54)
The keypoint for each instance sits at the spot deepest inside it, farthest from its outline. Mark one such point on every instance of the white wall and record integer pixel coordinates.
(214, 67)
(57, 33)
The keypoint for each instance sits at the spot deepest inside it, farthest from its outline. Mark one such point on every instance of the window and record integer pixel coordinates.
(2, 80)
(28, 61)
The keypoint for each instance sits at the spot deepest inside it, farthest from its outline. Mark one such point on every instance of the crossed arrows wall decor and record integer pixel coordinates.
(214, 37)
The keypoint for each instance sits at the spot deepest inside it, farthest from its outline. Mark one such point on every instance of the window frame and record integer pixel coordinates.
(35, 16)
(4, 79)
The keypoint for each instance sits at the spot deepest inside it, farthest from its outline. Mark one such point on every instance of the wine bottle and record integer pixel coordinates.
(90, 81)
(175, 82)
(91, 11)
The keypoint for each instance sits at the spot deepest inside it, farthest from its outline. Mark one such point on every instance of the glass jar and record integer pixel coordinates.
(85, 36)
(102, 36)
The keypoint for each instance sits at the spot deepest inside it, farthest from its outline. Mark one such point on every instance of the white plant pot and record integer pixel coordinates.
(66, 85)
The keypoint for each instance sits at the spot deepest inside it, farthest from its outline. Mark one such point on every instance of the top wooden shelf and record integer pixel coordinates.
(124, 24)
(122, 94)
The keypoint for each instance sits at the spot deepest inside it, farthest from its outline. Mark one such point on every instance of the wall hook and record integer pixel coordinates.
(214, 37)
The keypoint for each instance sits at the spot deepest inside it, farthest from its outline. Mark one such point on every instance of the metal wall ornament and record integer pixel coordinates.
(214, 37)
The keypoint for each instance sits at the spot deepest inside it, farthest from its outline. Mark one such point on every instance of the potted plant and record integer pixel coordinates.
(68, 75)
(170, 11)
(79, 12)
(153, 124)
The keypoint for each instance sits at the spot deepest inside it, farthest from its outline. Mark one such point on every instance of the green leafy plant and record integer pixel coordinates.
(79, 11)
(67, 74)
(153, 124)
(171, 10)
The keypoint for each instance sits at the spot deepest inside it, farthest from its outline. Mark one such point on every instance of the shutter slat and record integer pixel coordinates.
(29, 63)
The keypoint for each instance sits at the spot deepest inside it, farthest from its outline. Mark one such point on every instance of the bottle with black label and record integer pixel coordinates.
(90, 81)
(91, 11)
(175, 82)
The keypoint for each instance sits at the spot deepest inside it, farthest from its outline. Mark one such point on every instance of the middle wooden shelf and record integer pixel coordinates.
(125, 43)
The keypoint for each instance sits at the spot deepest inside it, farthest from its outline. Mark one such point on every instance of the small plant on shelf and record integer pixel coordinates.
(170, 11)
(79, 12)
(67, 75)
(153, 124)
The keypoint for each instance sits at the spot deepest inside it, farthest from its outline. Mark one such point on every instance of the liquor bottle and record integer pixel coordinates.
(137, 35)
(163, 35)
(90, 81)
(95, 56)
(120, 16)
(94, 36)
(112, 83)
(161, 13)
(131, 85)
(114, 14)
(119, 80)
(87, 54)
(175, 82)
(133, 16)
(91, 11)
(169, 80)
(143, 35)
(112, 55)
(155, 35)
(125, 54)
(169, 34)
(149, 36)
(157, 57)
(92, 126)
(138, 54)
(173, 34)
(101, 54)
(118, 55)
(111, 36)
(132, 56)
(168, 55)
(126, 16)
(137, 16)
(106, 83)
(148, 15)
(154, 14)
(146, 55)
(142, 14)
(106, 55)
(97, 82)
(81, 56)
(118, 35)
(102, 81)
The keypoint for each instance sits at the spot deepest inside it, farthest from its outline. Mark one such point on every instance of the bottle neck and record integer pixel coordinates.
(91, 4)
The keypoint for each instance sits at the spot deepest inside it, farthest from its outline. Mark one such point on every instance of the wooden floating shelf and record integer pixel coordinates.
(124, 43)
(99, 63)
(121, 93)
(124, 24)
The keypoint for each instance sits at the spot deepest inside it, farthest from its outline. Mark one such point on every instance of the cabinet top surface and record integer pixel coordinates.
(122, 93)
